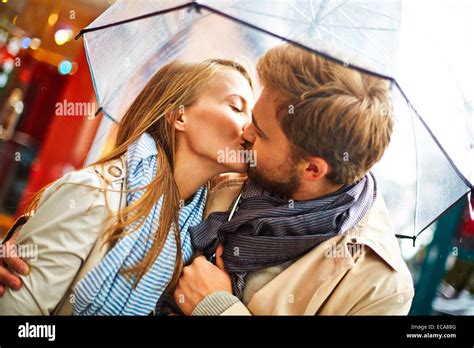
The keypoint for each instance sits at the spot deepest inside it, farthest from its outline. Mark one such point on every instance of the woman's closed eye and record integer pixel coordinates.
(235, 108)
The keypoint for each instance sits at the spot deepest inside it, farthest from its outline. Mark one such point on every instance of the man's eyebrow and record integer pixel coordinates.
(254, 121)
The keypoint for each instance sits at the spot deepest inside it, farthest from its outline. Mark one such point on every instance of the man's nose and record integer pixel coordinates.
(249, 133)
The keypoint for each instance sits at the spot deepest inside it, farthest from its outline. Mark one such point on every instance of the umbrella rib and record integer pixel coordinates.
(367, 37)
(353, 47)
(125, 21)
(312, 8)
(268, 15)
(456, 169)
(334, 9)
(402, 236)
(352, 27)
(373, 11)
(107, 115)
(444, 212)
(417, 170)
(298, 10)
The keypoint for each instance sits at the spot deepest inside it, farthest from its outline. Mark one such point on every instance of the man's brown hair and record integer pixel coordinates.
(329, 110)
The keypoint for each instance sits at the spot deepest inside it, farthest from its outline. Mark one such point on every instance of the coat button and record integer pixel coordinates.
(114, 171)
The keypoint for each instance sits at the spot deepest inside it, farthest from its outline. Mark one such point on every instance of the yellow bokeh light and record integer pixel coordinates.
(62, 36)
(53, 18)
(35, 43)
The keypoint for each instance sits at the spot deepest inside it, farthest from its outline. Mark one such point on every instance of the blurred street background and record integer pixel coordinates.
(42, 68)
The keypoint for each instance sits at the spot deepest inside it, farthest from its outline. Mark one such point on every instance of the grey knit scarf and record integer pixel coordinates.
(268, 230)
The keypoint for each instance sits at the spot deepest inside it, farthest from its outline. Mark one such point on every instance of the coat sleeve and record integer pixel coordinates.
(59, 237)
(220, 303)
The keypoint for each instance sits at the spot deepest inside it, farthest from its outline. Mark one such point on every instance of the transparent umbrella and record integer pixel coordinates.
(425, 49)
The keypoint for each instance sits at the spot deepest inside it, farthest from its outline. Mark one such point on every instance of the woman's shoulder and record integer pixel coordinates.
(223, 189)
(71, 215)
(89, 182)
(98, 174)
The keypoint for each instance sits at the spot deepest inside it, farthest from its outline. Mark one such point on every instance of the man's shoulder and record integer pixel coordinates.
(381, 262)
(377, 279)
(376, 233)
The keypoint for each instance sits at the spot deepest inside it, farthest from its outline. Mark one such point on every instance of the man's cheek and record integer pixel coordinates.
(264, 158)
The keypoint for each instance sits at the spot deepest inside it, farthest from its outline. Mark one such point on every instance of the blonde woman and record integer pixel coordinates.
(106, 237)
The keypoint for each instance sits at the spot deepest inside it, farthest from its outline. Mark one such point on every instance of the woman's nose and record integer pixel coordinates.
(245, 124)
(249, 133)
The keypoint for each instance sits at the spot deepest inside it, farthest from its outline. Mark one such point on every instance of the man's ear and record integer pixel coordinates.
(314, 168)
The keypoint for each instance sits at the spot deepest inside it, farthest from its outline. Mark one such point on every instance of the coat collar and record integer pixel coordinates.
(376, 232)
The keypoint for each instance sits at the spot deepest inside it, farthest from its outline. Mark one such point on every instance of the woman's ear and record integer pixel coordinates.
(179, 120)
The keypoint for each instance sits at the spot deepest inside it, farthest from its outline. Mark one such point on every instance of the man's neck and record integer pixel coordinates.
(314, 192)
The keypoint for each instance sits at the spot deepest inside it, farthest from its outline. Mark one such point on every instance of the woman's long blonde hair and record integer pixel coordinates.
(175, 87)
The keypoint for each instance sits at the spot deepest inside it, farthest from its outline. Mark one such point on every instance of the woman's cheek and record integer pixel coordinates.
(225, 132)
(234, 125)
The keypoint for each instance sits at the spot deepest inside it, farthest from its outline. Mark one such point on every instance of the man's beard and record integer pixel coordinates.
(285, 188)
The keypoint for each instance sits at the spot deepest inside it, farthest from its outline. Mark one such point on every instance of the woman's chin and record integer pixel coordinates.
(237, 167)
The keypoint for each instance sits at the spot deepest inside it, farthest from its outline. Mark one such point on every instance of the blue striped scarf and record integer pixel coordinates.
(105, 290)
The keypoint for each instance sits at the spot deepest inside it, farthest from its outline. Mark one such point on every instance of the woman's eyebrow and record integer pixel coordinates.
(244, 101)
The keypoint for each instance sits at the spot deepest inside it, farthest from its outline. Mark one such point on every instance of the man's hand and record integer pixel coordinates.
(7, 277)
(200, 279)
